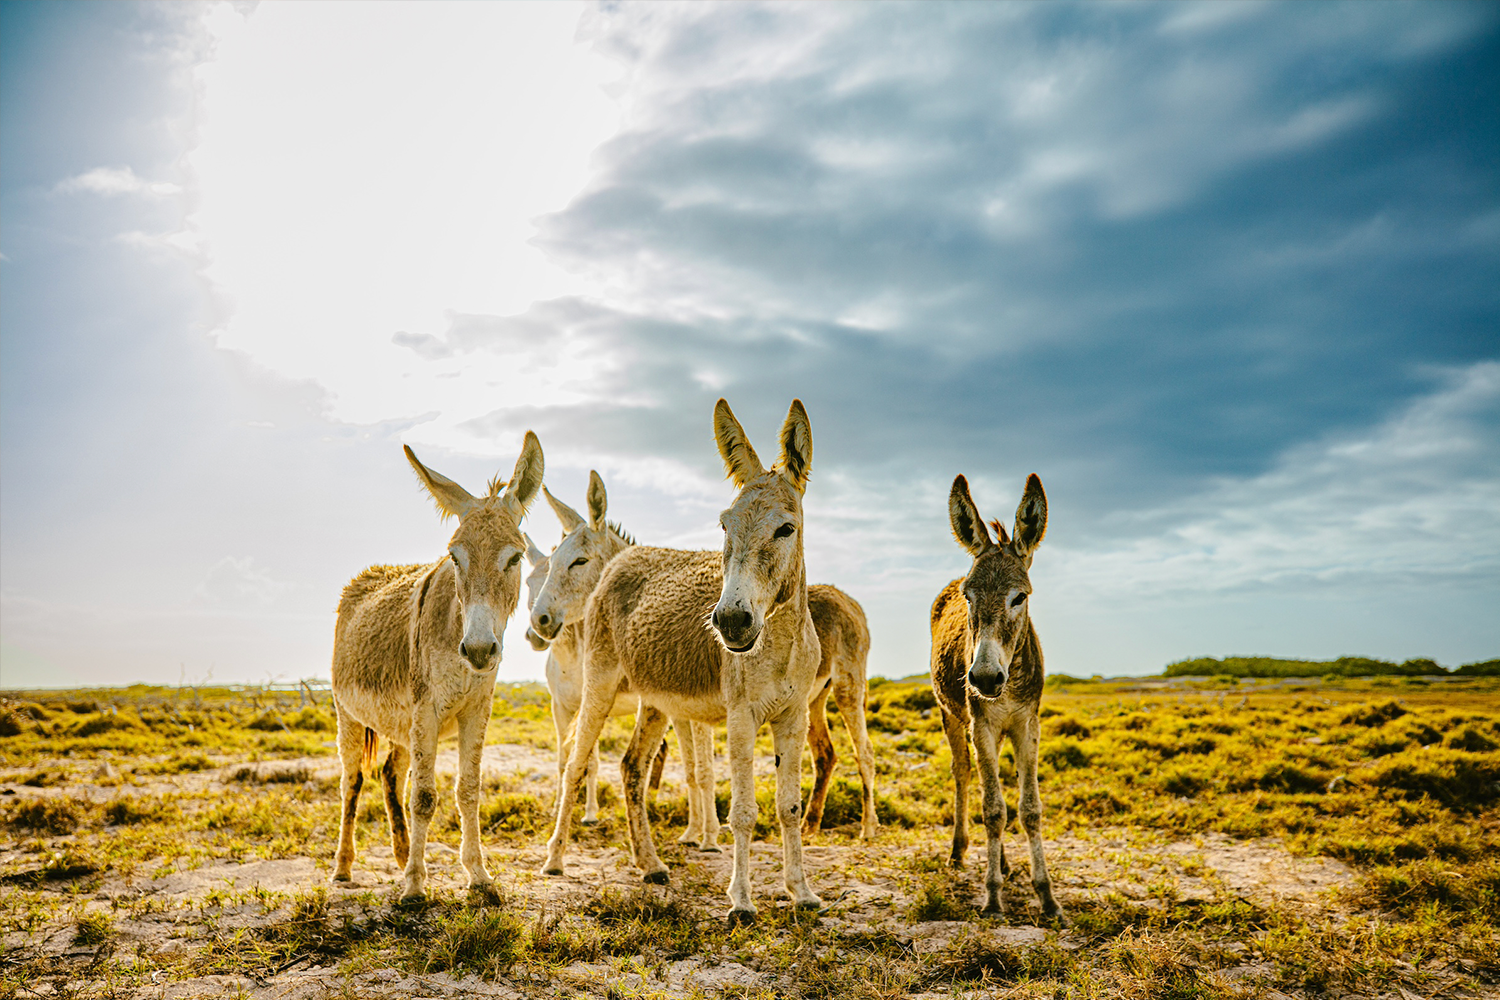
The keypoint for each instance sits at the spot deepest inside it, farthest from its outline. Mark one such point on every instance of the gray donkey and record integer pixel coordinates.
(987, 674)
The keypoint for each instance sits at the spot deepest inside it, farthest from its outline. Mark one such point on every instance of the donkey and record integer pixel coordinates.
(844, 640)
(557, 616)
(753, 661)
(414, 655)
(987, 675)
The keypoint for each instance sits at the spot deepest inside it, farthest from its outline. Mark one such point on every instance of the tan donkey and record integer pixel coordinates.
(987, 674)
(844, 641)
(414, 655)
(557, 616)
(752, 662)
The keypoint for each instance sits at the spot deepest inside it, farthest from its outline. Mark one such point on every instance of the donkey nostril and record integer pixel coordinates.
(544, 620)
(463, 650)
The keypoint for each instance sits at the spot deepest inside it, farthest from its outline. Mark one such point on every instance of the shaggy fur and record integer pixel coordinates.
(987, 673)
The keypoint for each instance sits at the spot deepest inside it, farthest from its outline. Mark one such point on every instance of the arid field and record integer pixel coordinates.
(1302, 838)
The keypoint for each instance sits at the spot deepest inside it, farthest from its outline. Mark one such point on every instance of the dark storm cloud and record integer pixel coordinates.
(1143, 246)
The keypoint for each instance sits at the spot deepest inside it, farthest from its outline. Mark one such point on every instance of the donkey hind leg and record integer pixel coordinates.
(824, 758)
(471, 727)
(562, 722)
(742, 809)
(702, 741)
(693, 835)
(598, 699)
(789, 733)
(1031, 812)
(849, 696)
(351, 742)
(635, 767)
(423, 799)
(658, 764)
(591, 789)
(393, 777)
(987, 749)
(958, 742)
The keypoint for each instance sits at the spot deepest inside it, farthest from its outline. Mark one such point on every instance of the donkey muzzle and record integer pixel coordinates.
(546, 626)
(537, 642)
(736, 627)
(481, 655)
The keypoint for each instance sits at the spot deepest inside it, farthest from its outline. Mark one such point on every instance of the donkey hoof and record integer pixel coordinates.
(809, 905)
(346, 877)
(415, 901)
(741, 918)
(657, 878)
(588, 822)
(993, 908)
(485, 894)
(552, 870)
(710, 849)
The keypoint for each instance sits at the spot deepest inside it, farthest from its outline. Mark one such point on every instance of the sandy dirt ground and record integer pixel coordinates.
(866, 888)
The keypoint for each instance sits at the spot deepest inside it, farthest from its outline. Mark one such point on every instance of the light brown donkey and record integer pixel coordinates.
(754, 661)
(414, 655)
(987, 675)
(844, 640)
(557, 616)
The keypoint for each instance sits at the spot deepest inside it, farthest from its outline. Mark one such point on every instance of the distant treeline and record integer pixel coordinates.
(1344, 666)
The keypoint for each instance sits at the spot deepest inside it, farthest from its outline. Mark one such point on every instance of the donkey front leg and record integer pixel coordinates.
(1025, 738)
(693, 835)
(741, 739)
(958, 742)
(471, 727)
(789, 734)
(635, 768)
(987, 749)
(351, 740)
(423, 799)
(591, 790)
(393, 776)
(592, 715)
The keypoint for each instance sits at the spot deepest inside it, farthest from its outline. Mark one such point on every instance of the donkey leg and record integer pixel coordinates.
(958, 742)
(789, 733)
(702, 740)
(592, 715)
(987, 749)
(470, 755)
(591, 789)
(423, 799)
(351, 741)
(393, 776)
(562, 722)
(741, 737)
(659, 764)
(850, 698)
(694, 833)
(635, 766)
(1031, 812)
(824, 759)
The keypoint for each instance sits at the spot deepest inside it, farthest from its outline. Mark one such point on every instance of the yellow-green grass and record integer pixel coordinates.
(1400, 780)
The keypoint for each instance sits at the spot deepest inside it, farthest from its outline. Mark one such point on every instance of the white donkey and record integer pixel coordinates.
(753, 662)
(414, 655)
(557, 616)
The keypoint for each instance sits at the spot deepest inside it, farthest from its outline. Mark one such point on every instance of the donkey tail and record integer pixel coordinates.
(372, 741)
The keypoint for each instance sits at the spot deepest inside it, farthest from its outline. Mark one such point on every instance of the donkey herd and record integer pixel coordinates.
(696, 638)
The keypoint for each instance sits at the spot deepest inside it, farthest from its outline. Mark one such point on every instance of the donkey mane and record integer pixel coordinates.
(620, 532)
(495, 486)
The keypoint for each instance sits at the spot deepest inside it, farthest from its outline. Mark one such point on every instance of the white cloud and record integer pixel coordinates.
(1411, 502)
(237, 581)
(116, 181)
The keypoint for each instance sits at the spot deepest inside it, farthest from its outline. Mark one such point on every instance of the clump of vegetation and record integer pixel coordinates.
(94, 929)
(1269, 666)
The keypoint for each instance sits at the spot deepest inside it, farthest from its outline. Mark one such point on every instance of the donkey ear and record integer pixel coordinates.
(740, 460)
(598, 501)
(968, 526)
(527, 479)
(534, 555)
(452, 499)
(796, 446)
(1031, 518)
(569, 517)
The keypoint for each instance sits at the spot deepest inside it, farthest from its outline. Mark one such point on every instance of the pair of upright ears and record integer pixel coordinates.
(740, 460)
(969, 528)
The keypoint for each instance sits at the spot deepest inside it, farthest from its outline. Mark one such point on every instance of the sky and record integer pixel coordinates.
(1226, 276)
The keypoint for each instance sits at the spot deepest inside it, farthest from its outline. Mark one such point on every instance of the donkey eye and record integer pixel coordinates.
(784, 530)
(513, 560)
(581, 560)
(1015, 602)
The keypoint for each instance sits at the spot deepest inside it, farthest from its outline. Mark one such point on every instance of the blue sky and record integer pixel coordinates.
(1226, 276)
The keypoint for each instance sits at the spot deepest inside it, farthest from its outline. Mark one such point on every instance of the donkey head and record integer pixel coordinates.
(762, 528)
(998, 583)
(539, 562)
(577, 562)
(486, 549)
